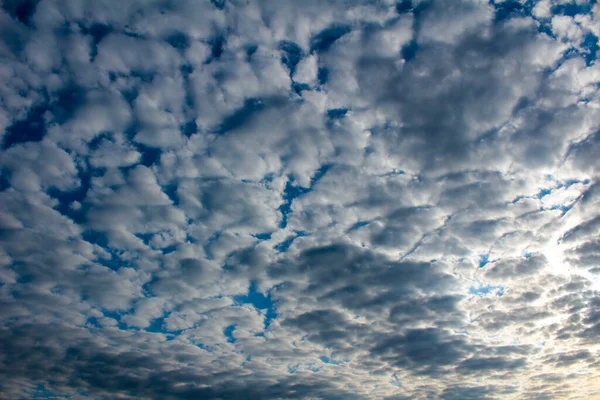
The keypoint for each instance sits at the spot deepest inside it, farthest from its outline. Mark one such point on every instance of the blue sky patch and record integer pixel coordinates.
(228, 332)
(171, 191)
(358, 225)
(404, 6)
(327, 360)
(68, 101)
(5, 177)
(157, 326)
(483, 260)
(292, 192)
(150, 155)
(217, 46)
(30, 129)
(24, 279)
(21, 10)
(590, 48)
(572, 8)
(299, 87)
(260, 302)
(117, 317)
(178, 40)
(337, 113)
(93, 321)
(511, 9)
(250, 50)
(97, 32)
(220, 4)
(68, 197)
(322, 75)
(145, 237)
(320, 173)
(114, 262)
(291, 54)
(487, 289)
(285, 245)
(327, 37)
(100, 239)
(95, 237)
(543, 193)
(169, 249)
(409, 51)
(96, 141)
(189, 128)
(564, 208)
(263, 236)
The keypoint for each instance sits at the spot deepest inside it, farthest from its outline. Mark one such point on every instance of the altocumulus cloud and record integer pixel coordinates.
(311, 199)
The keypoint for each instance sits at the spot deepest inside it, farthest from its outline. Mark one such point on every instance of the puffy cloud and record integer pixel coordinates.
(348, 199)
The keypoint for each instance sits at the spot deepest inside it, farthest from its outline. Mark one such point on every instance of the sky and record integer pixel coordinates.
(316, 199)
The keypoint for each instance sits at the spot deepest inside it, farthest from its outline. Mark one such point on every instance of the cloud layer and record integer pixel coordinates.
(273, 199)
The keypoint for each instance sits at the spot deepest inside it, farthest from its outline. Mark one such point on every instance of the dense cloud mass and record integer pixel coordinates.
(270, 199)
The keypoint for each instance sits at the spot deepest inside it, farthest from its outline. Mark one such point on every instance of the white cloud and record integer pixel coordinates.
(359, 199)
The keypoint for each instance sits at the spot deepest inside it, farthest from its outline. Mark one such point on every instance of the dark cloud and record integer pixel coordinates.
(422, 349)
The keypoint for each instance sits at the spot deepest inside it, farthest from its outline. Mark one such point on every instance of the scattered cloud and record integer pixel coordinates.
(261, 200)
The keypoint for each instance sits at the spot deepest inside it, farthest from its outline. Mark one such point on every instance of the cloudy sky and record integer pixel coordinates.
(316, 199)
